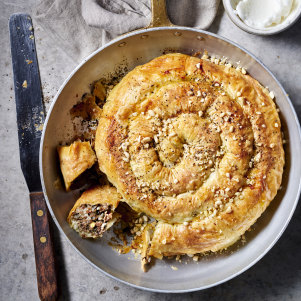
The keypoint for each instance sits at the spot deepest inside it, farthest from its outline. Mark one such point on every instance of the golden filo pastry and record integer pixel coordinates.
(94, 212)
(75, 159)
(195, 145)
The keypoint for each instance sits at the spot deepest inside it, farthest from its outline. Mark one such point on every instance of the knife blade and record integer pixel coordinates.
(30, 118)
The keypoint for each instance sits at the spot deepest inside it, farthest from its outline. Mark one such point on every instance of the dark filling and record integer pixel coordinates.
(91, 220)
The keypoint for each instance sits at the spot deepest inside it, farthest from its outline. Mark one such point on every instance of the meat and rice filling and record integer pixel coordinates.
(91, 221)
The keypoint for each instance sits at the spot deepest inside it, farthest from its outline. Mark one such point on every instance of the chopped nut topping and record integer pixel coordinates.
(146, 139)
(151, 113)
(217, 203)
(229, 209)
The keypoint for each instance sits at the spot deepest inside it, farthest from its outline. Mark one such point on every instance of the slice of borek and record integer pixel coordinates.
(94, 212)
(146, 244)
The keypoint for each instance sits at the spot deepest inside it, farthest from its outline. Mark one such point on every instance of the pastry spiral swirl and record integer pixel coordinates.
(195, 145)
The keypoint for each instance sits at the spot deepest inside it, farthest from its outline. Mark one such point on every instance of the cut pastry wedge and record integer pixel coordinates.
(146, 244)
(74, 160)
(94, 212)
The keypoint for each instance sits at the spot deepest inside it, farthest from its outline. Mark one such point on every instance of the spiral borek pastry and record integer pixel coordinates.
(195, 145)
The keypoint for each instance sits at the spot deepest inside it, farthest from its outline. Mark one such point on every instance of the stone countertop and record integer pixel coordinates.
(276, 277)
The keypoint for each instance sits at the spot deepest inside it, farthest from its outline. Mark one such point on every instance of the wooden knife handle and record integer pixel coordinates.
(43, 248)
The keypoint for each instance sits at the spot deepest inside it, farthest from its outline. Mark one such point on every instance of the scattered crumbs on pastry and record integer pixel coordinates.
(243, 239)
(205, 56)
(24, 85)
(174, 268)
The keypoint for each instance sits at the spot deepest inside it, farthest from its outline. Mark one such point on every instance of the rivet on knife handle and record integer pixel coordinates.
(45, 265)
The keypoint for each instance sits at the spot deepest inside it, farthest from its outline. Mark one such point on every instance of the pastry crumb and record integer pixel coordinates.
(24, 85)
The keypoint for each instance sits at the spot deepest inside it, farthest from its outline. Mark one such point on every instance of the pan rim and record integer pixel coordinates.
(141, 31)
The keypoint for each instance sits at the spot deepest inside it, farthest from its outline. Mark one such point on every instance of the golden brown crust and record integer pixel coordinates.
(195, 145)
(74, 160)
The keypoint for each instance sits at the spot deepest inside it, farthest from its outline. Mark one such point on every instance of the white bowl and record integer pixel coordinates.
(230, 6)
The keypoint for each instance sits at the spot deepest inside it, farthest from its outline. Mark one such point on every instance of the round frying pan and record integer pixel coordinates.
(128, 51)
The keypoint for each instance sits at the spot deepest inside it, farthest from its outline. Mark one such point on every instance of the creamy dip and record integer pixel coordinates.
(262, 14)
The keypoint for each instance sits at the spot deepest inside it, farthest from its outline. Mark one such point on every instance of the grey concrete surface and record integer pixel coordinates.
(276, 277)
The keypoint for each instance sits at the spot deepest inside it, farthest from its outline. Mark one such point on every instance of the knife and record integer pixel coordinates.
(30, 119)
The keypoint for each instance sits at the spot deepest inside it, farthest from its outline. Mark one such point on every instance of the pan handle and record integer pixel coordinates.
(159, 14)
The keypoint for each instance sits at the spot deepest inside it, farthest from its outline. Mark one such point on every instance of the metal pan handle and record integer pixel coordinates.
(159, 14)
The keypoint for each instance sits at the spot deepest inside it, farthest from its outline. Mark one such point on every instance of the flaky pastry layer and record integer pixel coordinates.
(195, 145)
